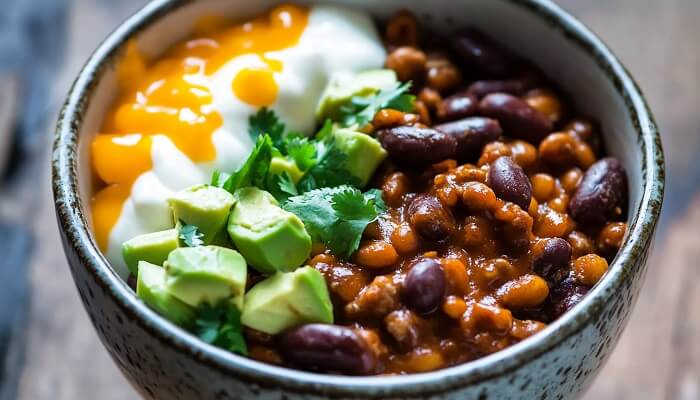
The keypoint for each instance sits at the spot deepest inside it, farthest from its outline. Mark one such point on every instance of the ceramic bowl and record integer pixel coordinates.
(162, 361)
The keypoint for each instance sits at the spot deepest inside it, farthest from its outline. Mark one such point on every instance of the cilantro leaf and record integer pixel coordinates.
(190, 235)
(221, 326)
(254, 171)
(286, 184)
(336, 216)
(265, 121)
(302, 151)
(329, 169)
(218, 178)
(360, 110)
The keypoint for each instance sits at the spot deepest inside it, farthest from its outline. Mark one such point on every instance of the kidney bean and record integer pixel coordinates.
(424, 286)
(327, 348)
(477, 50)
(430, 218)
(566, 295)
(509, 182)
(515, 87)
(417, 146)
(457, 106)
(517, 118)
(551, 257)
(472, 134)
(601, 193)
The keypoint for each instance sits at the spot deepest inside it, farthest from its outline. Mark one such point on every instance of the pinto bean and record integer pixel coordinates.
(509, 182)
(459, 105)
(417, 146)
(601, 193)
(551, 256)
(472, 134)
(430, 218)
(424, 286)
(517, 118)
(327, 348)
(477, 50)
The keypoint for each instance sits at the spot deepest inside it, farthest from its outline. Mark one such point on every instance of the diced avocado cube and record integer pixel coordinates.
(270, 238)
(286, 300)
(151, 247)
(206, 274)
(206, 207)
(342, 87)
(150, 288)
(364, 153)
(280, 165)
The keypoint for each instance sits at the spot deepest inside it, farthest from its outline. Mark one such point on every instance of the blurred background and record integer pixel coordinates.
(48, 349)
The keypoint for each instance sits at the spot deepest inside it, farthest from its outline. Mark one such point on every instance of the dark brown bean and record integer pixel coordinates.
(552, 258)
(327, 348)
(430, 218)
(515, 87)
(517, 118)
(509, 182)
(424, 286)
(472, 135)
(601, 194)
(417, 146)
(566, 295)
(477, 50)
(459, 105)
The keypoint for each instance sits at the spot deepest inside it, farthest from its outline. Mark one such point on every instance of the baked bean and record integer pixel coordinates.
(430, 97)
(546, 102)
(516, 117)
(411, 145)
(459, 105)
(542, 187)
(408, 63)
(424, 286)
(580, 244)
(343, 279)
(552, 223)
(571, 179)
(478, 196)
(423, 360)
(563, 148)
(404, 239)
(454, 307)
(533, 209)
(524, 329)
(583, 128)
(492, 151)
(394, 188)
(388, 118)
(601, 193)
(441, 74)
(476, 50)
(589, 269)
(523, 153)
(495, 272)
(509, 182)
(476, 231)
(525, 292)
(514, 87)
(610, 237)
(327, 348)
(423, 113)
(471, 134)
(402, 30)
(456, 277)
(377, 254)
(559, 203)
(551, 257)
(430, 218)
(482, 317)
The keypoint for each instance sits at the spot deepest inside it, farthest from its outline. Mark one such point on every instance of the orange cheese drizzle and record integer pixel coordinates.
(160, 98)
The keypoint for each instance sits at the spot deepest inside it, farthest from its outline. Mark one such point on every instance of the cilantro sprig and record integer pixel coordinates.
(221, 326)
(190, 235)
(337, 216)
(360, 110)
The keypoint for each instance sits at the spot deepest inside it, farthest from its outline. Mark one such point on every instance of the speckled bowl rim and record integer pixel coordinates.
(641, 228)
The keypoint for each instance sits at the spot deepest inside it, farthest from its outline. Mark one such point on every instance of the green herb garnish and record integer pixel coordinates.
(254, 171)
(337, 216)
(190, 235)
(221, 326)
(361, 110)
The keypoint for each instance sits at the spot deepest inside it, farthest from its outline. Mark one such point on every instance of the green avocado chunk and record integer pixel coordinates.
(280, 165)
(343, 87)
(364, 153)
(286, 300)
(150, 288)
(270, 238)
(206, 274)
(151, 247)
(206, 207)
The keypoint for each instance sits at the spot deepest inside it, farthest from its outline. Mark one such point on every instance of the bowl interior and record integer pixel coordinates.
(535, 29)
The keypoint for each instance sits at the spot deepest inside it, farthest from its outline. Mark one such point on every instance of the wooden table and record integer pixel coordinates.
(659, 354)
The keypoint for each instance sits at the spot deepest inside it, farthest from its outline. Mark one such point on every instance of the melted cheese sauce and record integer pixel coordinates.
(180, 117)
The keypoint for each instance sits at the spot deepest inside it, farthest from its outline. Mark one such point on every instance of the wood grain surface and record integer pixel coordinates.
(659, 354)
